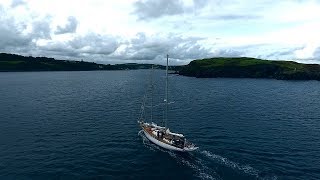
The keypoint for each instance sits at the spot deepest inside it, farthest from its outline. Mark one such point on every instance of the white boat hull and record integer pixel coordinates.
(166, 146)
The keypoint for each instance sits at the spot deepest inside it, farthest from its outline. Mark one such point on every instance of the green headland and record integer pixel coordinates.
(250, 68)
(241, 67)
(12, 62)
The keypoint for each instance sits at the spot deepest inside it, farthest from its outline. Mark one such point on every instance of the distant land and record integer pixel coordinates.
(12, 62)
(241, 67)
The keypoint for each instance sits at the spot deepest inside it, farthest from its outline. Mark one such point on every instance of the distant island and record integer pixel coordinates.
(237, 67)
(13, 62)
(243, 67)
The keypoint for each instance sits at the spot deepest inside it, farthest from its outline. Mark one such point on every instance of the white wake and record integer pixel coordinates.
(247, 169)
(198, 164)
(228, 163)
(202, 171)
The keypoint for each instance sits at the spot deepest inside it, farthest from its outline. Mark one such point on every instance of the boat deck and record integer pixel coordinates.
(165, 136)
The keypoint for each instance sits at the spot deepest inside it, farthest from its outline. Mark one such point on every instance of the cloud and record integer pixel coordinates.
(151, 9)
(228, 53)
(85, 46)
(11, 33)
(308, 51)
(152, 48)
(16, 3)
(284, 53)
(19, 35)
(316, 54)
(70, 27)
(41, 28)
(234, 17)
(200, 3)
(12, 38)
(184, 29)
(92, 43)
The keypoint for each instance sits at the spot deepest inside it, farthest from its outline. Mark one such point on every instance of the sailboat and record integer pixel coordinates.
(161, 135)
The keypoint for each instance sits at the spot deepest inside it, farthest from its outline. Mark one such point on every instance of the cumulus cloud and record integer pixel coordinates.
(152, 48)
(18, 35)
(11, 33)
(88, 45)
(12, 38)
(41, 28)
(70, 27)
(92, 43)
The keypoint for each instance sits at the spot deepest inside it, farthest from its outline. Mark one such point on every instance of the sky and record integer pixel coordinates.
(144, 31)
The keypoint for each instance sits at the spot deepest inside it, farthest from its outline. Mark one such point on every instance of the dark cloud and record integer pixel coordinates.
(70, 27)
(11, 38)
(11, 33)
(17, 36)
(41, 28)
(150, 9)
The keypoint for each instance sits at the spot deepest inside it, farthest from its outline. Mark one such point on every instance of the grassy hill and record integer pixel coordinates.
(203, 68)
(12, 62)
(250, 68)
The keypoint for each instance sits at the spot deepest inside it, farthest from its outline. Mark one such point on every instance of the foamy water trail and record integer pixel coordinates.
(197, 164)
(228, 163)
(202, 171)
(243, 168)
(268, 178)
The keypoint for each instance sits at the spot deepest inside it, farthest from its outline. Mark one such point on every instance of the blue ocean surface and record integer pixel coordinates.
(83, 125)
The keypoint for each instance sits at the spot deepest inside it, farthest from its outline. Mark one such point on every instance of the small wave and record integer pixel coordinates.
(224, 161)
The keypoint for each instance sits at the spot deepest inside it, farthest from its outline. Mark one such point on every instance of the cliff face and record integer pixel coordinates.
(250, 68)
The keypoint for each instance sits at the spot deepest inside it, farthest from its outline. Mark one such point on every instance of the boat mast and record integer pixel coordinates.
(166, 119)
(151, 77)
